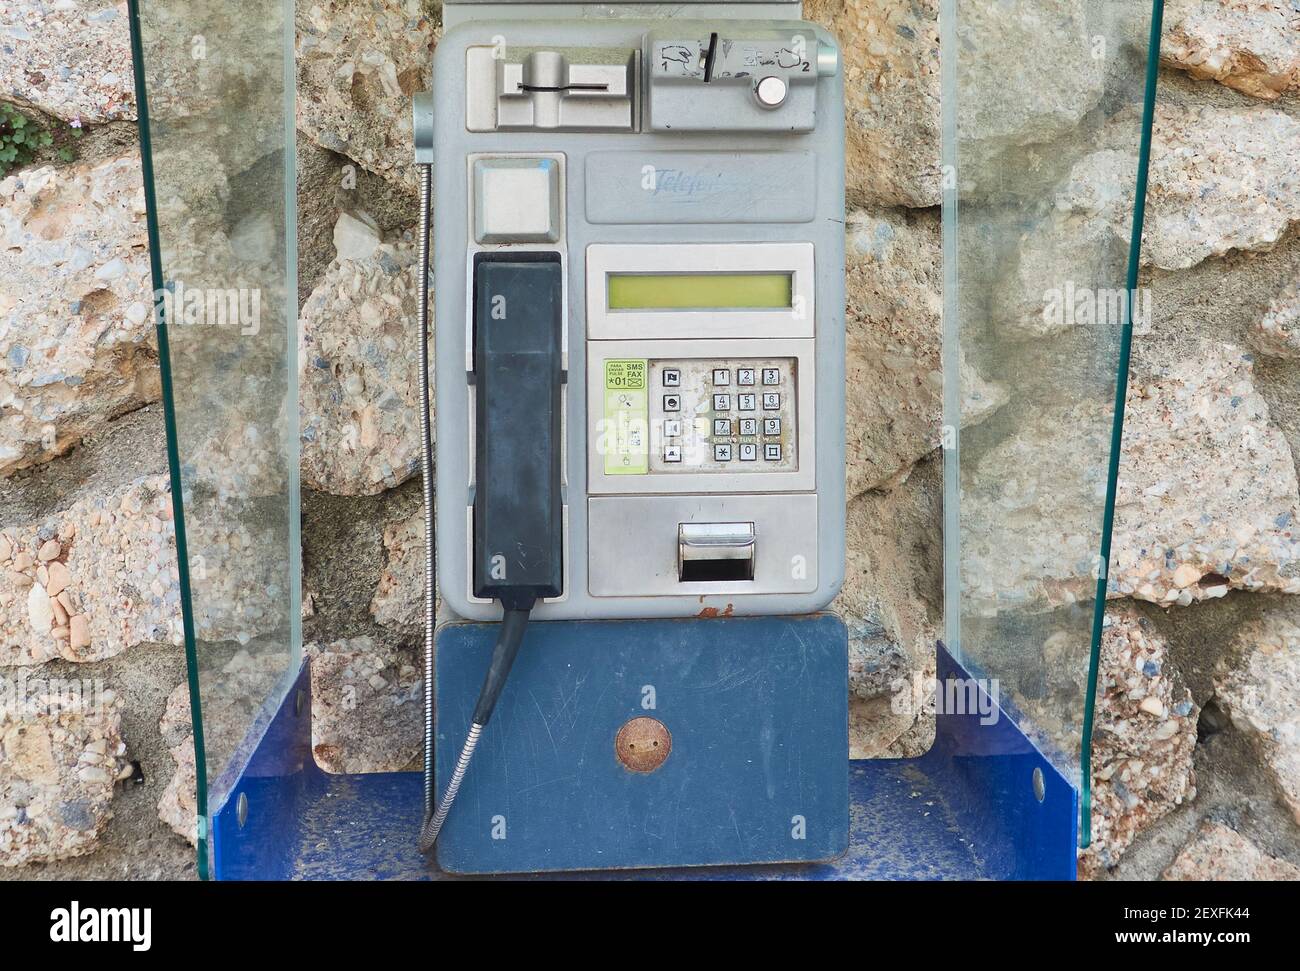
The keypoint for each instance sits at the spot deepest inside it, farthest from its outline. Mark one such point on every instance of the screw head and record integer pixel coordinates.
(1040, 787)
(642, 744)
(241, 810)
(770, 91)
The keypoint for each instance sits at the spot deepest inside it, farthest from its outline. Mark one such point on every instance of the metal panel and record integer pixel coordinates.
(758, 770)
(701, 187)
(643, 560)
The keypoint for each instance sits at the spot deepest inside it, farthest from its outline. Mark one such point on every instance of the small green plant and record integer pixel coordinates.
(20, 138)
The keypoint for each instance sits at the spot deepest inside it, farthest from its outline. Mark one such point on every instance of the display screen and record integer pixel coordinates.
(700, 291)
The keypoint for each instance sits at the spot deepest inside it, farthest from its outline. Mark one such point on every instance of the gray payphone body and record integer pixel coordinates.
(680, 183)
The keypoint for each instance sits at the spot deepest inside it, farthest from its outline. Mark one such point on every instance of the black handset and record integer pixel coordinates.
(518, 518)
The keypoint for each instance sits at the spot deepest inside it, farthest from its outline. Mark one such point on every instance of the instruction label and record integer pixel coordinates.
(625, 437)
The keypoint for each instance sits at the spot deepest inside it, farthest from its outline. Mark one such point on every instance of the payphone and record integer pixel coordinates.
(638, 286)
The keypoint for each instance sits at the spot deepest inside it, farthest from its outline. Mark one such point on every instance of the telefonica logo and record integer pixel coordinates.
(132, 925)
(679, 182)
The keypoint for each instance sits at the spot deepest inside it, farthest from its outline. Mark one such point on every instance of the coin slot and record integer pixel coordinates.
(715, 552)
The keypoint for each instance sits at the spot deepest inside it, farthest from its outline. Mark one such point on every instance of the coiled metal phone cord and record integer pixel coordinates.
(426, 469)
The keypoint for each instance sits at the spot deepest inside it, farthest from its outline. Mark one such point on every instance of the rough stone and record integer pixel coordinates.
(61, 750)
(1207, 497)
(889, 54)
(1218, 852)
(76, 331)
(118, 575)
(178, 805)
(68, 58)
(1277, 333)
(121, 585)
(1047, 101)
(1252, 46)
(366, 711)
(893, 355)
(1221, 179)
(1141, 752)
(359, 374)
(886, 603)
(398, 602)
(358, 65)
(356, 236)
(1257, 688)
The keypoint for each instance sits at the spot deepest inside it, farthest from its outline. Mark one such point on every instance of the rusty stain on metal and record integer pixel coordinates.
(710, 612)
(642, 744)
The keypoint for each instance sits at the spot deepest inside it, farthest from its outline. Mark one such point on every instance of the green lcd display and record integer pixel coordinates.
(700, 291)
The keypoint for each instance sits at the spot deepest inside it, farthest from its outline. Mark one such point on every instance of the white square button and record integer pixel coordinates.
(516, 200)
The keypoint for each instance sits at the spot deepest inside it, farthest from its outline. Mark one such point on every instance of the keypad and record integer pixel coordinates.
(723, 415)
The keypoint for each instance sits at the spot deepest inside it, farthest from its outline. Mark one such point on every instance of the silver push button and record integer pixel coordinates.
(516, 200)
(715, 552)
(770, 91)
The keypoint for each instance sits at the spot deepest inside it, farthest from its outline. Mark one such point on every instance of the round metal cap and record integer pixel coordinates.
(770, 91)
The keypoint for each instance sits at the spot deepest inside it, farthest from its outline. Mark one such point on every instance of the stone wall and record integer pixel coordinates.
(1198, 743)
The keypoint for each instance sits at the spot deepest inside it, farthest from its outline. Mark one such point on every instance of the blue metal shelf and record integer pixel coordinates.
(967, 809)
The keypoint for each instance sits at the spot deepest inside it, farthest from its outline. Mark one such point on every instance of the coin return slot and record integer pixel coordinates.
(715, 552)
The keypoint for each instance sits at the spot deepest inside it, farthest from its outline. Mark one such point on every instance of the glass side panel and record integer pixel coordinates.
(1043, 105)
(218, 113)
